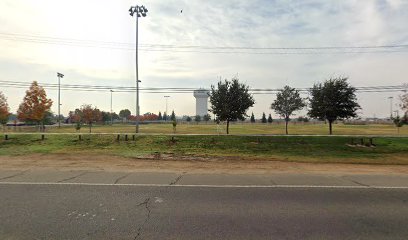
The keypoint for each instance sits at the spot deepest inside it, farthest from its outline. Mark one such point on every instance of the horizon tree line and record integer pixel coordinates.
(331, 100)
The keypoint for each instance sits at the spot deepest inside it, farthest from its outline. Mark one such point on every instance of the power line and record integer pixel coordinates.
(165, 90)
(392, 48)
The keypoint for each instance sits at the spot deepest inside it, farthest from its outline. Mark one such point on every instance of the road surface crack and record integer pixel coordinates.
(177, 179)
(15, 175)
(146, 204)
(120, 178)
(70, 178)
(356, 182)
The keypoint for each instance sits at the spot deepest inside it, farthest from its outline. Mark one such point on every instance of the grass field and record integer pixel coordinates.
(239, 128)
(300, 149)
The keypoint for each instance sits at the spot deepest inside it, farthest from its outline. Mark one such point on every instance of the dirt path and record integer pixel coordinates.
(68, 162)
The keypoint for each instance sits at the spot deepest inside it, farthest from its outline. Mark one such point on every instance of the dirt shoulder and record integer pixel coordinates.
(68, 162)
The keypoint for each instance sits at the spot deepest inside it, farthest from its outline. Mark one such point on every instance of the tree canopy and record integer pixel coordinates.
(207, 117)
(173, 116)
(4, 109)
(263, 118)
(90, 115)
(252, 118)
(270, 120)
(332, 100)
(404, 103)
(287, 101)
(35, 105)
(197, 118)
(230, 100)
(124, 113)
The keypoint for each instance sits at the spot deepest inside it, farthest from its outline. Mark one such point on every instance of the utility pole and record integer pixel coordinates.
(111, 91)
(166, 97)
(390, 106)
(59, 75)
(139, 11)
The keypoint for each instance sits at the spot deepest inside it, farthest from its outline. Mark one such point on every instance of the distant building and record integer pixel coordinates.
(201, 96)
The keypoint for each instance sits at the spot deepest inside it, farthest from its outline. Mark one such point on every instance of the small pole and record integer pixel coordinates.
(59, 75)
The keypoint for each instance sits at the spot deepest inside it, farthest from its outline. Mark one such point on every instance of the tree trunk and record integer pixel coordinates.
(286, 122)
(90, 126)
(227, 126)
(330, 127)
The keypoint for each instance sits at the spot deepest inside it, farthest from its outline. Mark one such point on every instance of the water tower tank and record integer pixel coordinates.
(201, 96)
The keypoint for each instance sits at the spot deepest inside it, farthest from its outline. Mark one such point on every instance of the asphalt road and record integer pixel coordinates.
(51, 205)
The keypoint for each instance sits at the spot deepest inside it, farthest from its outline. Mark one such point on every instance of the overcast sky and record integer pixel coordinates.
(91, 43)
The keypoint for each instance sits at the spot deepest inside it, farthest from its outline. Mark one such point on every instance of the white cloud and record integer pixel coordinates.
(204, 23)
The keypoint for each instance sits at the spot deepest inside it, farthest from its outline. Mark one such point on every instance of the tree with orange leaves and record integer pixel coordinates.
(35, 105)
(4, 110)
(90, 115)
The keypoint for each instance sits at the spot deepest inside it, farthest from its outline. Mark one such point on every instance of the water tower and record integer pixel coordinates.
(201, 96)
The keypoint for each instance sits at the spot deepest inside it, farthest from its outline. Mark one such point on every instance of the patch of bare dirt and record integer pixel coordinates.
(171, 163)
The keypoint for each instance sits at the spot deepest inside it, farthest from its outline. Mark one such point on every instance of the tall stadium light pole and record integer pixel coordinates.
(59, 75)
(166, 97)
(390, 106)
(111, 91)
(139, 11)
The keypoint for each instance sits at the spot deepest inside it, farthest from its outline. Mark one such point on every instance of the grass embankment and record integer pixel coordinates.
(238, 128)
(299, 149)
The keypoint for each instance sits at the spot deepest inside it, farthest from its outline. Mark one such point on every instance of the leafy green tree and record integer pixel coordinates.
(270, 120)
(165, 116)
(287, 101)
(173, 116)
(398, 122)
(160, 117)
(174, 125)
(115, 116)
(106, 117)
(252, 118)
(207, 117)
(124, 114)
(197, 118)
(263, 118)
(49, 118)
(78, 126)
(333, 100)
(188, 119)
(230, 100)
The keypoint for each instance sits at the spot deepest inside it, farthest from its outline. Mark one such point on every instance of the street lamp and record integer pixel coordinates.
(139, 11)
(59, 75)
(111, 91)
(166, 97)
(390, 106)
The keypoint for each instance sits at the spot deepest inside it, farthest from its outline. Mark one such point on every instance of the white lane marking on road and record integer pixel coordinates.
(204, 185)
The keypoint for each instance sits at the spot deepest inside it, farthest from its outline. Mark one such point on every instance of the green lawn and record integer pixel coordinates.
(238, 128)
(301, 149)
